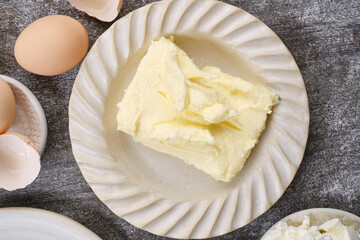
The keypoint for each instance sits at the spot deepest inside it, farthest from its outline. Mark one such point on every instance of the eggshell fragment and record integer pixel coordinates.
(19, 161)
(7, 106)
(51, 45)
(104, 10)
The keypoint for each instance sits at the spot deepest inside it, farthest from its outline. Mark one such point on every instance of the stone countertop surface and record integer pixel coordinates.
(324, 38)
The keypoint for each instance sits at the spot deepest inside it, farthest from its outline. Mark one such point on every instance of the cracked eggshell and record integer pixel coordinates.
(19, 161)
(7, 106)
(104, 10)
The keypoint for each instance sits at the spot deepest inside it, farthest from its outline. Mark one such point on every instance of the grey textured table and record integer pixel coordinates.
(323, 36)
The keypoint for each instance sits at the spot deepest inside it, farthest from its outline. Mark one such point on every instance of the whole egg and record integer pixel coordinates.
(7, 106)
(51, 45)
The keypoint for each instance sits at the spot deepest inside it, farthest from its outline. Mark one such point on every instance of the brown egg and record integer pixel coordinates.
(51, 45)
(7, 106)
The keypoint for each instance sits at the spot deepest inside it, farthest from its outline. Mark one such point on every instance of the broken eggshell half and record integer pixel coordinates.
(19, 161)
(104, 10)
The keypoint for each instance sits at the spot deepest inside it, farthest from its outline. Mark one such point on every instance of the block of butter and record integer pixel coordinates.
(203, 116)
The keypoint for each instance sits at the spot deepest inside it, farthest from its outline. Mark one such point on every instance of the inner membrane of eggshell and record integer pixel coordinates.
(27, 121)
(19, 162)
(105, 10)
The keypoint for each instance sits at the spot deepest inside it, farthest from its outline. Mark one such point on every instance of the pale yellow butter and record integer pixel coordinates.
(205, 117)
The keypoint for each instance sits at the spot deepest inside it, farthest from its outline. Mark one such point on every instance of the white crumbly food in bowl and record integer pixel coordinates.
(333, 229)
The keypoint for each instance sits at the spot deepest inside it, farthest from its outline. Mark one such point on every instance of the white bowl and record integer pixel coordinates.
(37, 224)
(318, 216)
(30, 119)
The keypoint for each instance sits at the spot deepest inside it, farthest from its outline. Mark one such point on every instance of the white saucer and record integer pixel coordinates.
(30, 119)
(36, 224)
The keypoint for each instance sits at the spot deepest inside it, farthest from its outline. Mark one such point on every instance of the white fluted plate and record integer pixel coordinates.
(36, 224)
(160, 193)
(318, 216)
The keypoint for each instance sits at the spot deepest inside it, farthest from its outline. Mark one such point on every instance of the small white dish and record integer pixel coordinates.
(159, 193)
(36, 224)
(318, 216)
(30, 119)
